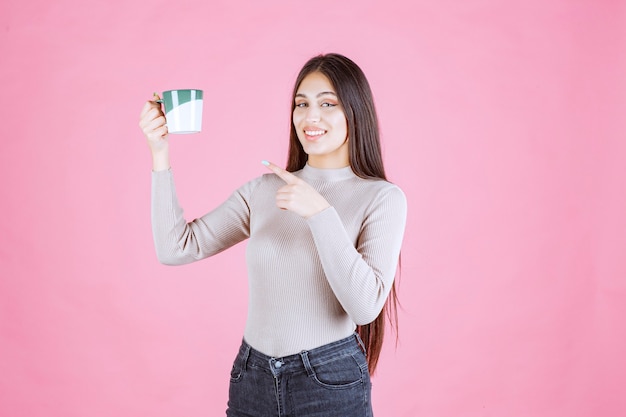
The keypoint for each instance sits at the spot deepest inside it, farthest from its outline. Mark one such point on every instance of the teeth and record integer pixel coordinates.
(314, 132)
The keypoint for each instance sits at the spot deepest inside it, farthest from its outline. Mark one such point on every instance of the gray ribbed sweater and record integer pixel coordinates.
(310, 281)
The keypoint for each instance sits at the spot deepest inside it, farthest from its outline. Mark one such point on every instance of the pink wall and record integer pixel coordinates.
(504, 124)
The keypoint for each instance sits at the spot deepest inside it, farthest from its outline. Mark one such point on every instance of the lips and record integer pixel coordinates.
(313, 133)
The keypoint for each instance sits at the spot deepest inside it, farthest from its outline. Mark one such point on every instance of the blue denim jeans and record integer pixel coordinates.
(331, 380)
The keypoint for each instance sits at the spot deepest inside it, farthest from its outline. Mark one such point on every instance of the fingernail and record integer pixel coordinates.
(264, 162)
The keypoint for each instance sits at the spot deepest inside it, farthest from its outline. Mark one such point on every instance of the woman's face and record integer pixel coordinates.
(320, 123)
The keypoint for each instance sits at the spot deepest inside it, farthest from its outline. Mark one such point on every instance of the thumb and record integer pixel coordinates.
(154, 102)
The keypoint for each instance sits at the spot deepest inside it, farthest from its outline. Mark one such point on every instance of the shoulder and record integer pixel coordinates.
(380, 188)
(384, 197)
(262, 182)
(263, 179)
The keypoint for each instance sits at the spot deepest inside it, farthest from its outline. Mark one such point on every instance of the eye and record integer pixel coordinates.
(301, 104)
(327, 104)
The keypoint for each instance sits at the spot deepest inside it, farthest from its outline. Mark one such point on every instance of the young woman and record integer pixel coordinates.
(324, 238)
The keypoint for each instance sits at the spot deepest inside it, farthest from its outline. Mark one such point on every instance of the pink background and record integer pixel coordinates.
(503, 122)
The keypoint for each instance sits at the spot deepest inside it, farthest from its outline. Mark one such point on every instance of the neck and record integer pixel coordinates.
(327, 174)
(326, 162)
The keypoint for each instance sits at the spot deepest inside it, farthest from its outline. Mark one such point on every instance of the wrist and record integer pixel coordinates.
(160, 160)
(317, 211)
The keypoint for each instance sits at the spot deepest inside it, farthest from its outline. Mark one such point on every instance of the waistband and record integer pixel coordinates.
(303, 361)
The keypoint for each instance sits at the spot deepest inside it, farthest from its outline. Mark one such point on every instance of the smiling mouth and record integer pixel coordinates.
(314, 133)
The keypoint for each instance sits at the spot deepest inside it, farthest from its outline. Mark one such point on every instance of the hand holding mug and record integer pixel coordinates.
(183, 114)
(153, 125)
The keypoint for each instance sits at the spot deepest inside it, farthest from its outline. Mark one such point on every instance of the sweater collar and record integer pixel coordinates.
(330, 174)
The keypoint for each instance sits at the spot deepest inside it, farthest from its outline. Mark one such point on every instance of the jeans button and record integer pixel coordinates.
(278, 364)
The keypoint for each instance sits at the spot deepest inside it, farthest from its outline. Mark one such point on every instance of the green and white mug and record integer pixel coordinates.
(183, 110)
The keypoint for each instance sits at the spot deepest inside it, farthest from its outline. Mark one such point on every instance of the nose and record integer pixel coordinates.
(313, 114)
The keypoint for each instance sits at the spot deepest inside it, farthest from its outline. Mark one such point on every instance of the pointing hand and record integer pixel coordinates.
(297, 195)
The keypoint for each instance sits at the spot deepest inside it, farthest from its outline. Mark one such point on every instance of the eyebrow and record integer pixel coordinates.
(319, 95)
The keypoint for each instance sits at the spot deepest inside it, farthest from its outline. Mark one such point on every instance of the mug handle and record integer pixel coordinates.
(160, 100)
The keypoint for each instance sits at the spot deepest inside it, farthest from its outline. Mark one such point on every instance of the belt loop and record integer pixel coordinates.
(307, 365)
(360, 341)
(244, 358)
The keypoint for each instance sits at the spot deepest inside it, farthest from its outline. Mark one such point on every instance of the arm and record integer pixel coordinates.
(176, 241)
(179, 242)
(361, 277)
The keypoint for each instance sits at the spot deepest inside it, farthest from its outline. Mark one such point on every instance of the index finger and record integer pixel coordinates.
(287, 176)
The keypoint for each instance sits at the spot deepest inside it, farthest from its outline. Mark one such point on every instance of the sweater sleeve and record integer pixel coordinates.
(180, 242)
(361, 277)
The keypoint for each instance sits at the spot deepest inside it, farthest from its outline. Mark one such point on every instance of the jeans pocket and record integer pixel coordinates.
(239, 366)
(342, 372)
(235, 373)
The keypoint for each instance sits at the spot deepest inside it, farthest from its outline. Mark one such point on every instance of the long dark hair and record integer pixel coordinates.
(355, 97)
